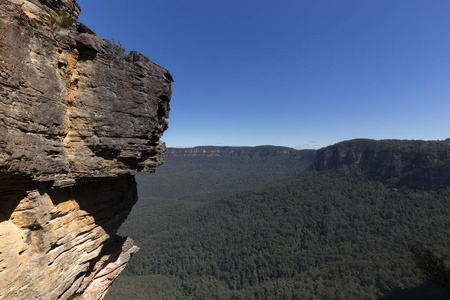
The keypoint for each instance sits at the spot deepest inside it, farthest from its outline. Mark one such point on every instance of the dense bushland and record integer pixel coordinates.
(315, 235)
(203, 178)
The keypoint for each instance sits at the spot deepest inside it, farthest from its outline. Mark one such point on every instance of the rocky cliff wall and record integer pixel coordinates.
(74, 122)
(69, 109)
(259, 151)
(417, 164)
(58, 242)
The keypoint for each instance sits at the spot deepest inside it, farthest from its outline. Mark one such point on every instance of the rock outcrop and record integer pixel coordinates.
(75, 121)
(417, 164)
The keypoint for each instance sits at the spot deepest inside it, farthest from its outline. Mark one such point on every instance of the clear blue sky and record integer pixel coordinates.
(298, 73)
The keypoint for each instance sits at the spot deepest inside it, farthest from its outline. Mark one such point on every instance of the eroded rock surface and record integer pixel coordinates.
(69, 109)
(54, 242)
(417, 164)
(74, 122)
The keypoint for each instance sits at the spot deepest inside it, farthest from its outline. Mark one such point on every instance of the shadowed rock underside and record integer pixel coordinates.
(75, 121)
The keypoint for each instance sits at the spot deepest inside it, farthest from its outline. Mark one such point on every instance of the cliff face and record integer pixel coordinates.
(418, 164)
(69, 109)
(58, 242)
(74, 122)
(259, 151)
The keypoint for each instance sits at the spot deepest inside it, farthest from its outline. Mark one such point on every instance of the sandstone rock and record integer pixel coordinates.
(69, 109)
(74, 122)
(42, 11)
(58, 242)
(115, 264)
(418, 164)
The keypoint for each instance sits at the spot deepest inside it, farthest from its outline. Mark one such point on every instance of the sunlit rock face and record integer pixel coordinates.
(57, 242)
(74, 122)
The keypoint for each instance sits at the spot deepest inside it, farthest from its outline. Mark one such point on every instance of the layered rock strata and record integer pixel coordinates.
(413, 163)
(258, 151)
(57, 242)
(74, 122)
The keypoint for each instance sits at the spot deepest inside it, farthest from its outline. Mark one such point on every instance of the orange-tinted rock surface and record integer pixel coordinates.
(69, 109)
(74, 122)
(57, 242)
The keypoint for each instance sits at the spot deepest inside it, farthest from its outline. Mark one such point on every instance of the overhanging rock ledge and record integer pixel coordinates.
(75, 121)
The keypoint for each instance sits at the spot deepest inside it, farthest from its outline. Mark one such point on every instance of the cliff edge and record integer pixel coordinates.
(412, 163)
(75, 121)
(227, 151)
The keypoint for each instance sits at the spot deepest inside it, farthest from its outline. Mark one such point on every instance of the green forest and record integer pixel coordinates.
(228, 228)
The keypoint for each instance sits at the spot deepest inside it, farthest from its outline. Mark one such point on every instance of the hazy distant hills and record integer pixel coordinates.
(188, 173)
(336, 230)
(251, 152)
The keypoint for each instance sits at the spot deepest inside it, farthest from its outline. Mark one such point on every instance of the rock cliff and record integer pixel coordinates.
(75, 121)
(417, 164)
(259, 151)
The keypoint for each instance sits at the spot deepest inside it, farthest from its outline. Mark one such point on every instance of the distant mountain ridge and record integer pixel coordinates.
(222, 224)
(415, 163)
(189, 171)
(258, 151)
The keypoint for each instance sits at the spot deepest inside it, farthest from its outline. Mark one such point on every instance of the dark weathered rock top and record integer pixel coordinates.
(74, 121)
(69, 109)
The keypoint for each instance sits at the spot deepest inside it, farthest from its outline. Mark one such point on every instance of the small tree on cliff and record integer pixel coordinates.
(61, 19)
(117, 49)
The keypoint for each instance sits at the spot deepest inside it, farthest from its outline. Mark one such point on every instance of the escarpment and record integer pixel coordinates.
(75, 121)
(258, 151)
(418, 164)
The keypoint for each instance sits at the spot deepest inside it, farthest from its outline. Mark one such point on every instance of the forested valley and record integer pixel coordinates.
(268, 226)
